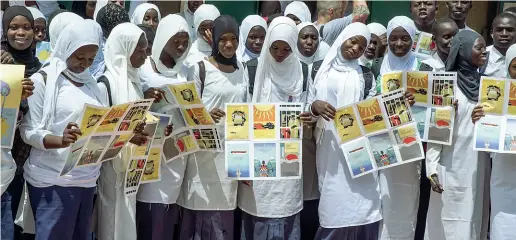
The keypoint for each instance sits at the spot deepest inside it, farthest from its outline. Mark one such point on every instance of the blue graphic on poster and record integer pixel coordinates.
(265, 160)
(488, 133)
(382, 149)
(238, 160)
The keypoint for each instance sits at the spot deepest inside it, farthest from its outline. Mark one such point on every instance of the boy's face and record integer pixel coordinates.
(444, 36)
(423, 12)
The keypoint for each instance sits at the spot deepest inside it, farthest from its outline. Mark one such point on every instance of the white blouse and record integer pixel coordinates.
(44, 165)
(167, 190)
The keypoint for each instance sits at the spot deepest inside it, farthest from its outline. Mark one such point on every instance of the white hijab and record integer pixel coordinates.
(243, 54)
(122, 76)
(167, 28)
(203, 13)
(100, 4)
(36, 13)
(407, 62)
(287, 75)
(320, 52)
(74, 36)
(300, 10)
(189, 16)
(378, 30)
(509, 56)
(139, 12)
(347, 69)
(59, 23)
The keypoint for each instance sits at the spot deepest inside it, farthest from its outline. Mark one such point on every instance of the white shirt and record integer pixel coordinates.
(435, 62)
(205, 186)
(344, 201)
(495, 63)
(8, 169)
(272, 198)
(44, 165)
(167, 190)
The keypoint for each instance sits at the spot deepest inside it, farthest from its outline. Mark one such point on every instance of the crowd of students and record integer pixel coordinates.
(102, 56)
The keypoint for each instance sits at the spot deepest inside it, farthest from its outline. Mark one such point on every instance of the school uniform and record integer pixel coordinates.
(200, 48)
(251, 21)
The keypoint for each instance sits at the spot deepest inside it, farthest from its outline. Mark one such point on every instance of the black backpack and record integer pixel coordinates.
(252, 65)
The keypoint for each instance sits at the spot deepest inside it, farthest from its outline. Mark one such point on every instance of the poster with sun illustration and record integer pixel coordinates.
(391, 82)
(91, 119)
(347, 124)
(408, 144)
(11, 77)
(492, 95)
(264, 145)
(371, 115)
(264, 121)
(417, 84)
(113, 118)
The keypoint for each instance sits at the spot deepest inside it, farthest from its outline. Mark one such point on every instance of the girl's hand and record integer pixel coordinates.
(28, 87)
(6, 58)
(217, 114)
(305, 117)
(410, 98)
(436, 186)
(139, 138)
(323, 109)
(208, 37)
(168, 130)
(70, 134)
(477, 113)
(155, 93)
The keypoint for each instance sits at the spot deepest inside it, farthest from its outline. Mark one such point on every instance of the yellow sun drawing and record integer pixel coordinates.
(264, 113)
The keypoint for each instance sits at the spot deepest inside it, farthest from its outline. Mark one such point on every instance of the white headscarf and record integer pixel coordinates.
(139, 12)
(189, 17)
(17, 3)
(167, 28)
(203, 13)
(59, 23)
(74, 36)
(300, 10)
(36, 13)
(509, 56)
(321, 50)
(100, 4)
(243, 54)
(376, 29)
(287, 75)
(123, 77)
(347, 68)
(407, 62)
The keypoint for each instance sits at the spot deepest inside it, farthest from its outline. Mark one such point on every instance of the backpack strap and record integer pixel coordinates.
(315, 68)
(304, 67)
(202, 74)
(368, 80)
(44, 75)
(252, 65)
(321, 31)
(103, 79)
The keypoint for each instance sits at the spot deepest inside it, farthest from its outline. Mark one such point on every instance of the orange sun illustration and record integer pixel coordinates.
(418, 80)
(263, 113)
(369, 108)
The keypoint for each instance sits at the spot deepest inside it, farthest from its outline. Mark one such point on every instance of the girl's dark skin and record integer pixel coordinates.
(255, 39)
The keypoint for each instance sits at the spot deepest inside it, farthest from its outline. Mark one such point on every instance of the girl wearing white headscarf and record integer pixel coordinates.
(250, 23)
(377, 30)
(143, 15)
(309, 214)
(349, 208)
(188, 15)
(63, 205)
(399, 185)
(115, 211)
(503, 179)
(209, 198)
(201, 48)
(156, 204)
(58, 24)
(299, 12)
(271, 208)
(40, 27)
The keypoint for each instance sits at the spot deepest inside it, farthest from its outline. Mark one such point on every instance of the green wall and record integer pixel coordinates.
(238, 9)
(383, 11)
